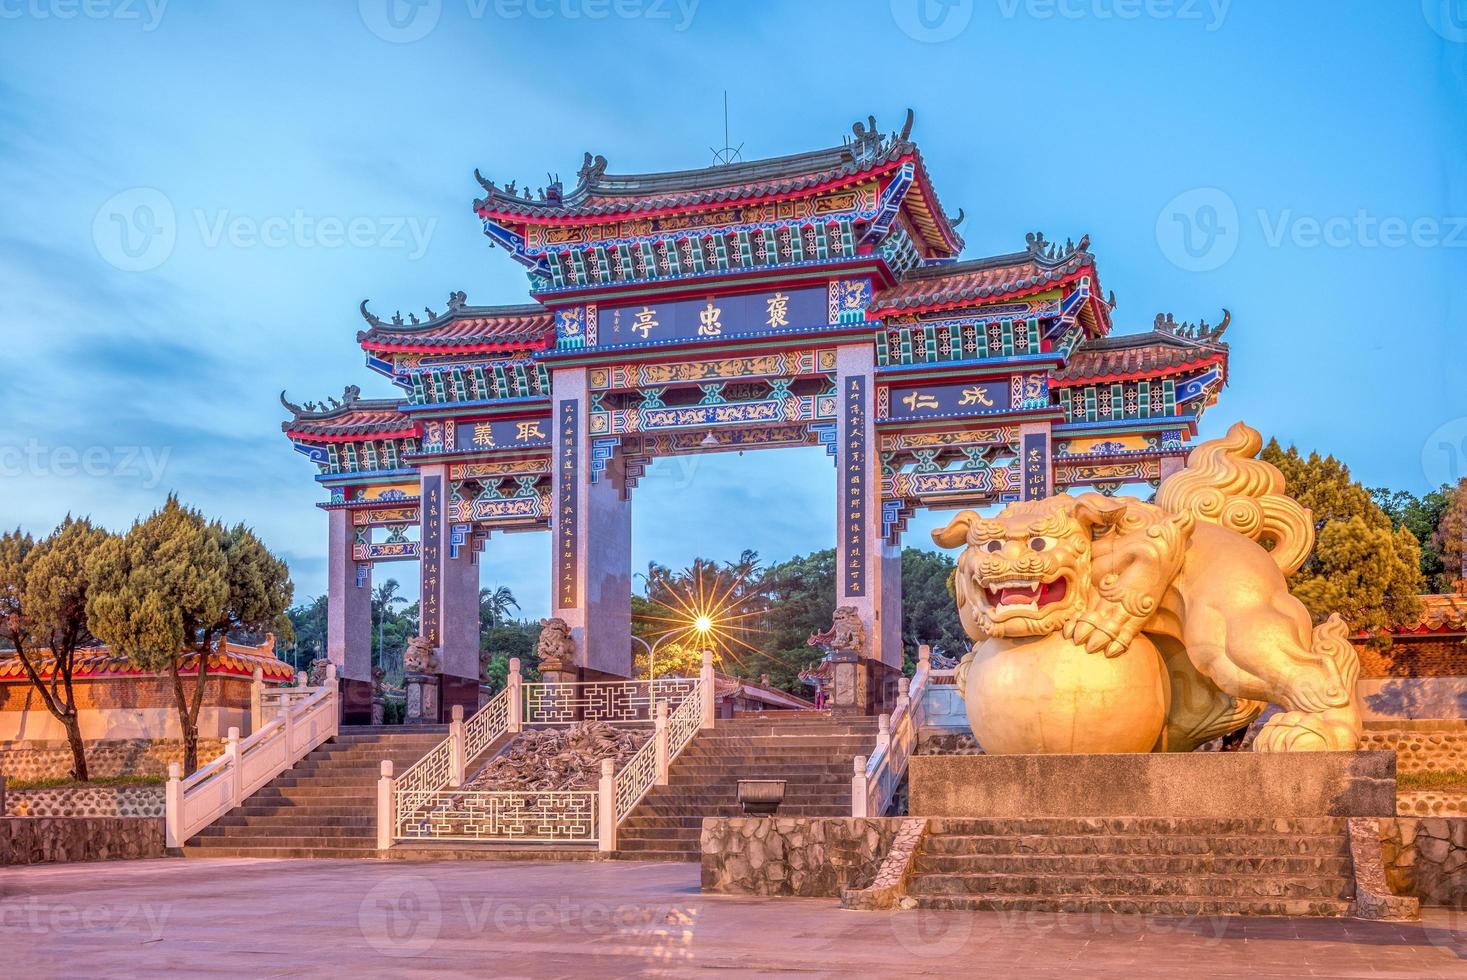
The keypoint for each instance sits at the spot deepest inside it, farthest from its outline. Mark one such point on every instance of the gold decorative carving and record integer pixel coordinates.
(1113, 625)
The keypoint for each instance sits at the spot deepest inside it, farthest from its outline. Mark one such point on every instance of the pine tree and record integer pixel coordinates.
(176, 585)
(43, 599)
(1361, 567)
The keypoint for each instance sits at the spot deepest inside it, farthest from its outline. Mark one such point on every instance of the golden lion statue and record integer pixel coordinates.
(1112, 625)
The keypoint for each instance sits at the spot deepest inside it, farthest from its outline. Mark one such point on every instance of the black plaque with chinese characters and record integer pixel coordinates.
(503, 434)
(716, 316)
(1036, 465)
(431, 555)
(854, 491)
(945, 400)
(567, 514)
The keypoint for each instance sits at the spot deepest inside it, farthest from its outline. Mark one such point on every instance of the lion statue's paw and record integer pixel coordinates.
(1301, 731)
(1102, 632)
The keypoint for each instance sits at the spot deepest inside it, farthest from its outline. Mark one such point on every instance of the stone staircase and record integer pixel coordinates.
(810, 750)
(1160, 866)
(323, 807)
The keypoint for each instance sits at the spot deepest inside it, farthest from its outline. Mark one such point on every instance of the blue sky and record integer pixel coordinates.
(273, 163)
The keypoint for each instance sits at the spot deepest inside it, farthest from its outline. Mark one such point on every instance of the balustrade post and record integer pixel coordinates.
(456, 761)
(385, 816)
(236, 778)
(289, 715)
(331, 675)
(606, 807)
(173, 807)
(705, 677)
(302, 678)
(663, 755)
(883, 732)
(924, 658)
(858, 786)
(904, 694)
(516, 696)
(257, 695)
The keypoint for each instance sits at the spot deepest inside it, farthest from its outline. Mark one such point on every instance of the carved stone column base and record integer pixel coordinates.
(422, 699)
(848, 684)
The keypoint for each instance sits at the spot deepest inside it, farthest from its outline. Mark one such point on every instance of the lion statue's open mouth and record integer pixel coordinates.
(1025, 597)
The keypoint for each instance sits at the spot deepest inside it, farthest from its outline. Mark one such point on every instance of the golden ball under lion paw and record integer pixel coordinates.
(1049, 695)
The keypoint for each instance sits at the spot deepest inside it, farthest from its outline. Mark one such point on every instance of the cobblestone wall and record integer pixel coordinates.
(45, 840)
(111, 757)
(1421, 750)
(1427, 857)
(811, 857)
(85, 801)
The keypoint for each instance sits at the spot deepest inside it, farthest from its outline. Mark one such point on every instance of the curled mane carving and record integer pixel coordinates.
(1225, 484)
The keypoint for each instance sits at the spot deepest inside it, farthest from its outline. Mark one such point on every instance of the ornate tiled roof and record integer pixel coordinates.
(1165, 349)
(599, 195)
(461, 329)
(726, 687)
(228, 659)
(348, 418)
(1039, 267)
(1439, 614)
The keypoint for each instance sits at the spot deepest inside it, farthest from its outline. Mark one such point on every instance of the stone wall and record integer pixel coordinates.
(810, 857)
(1422, 749)
(45, 840)
(30, 761)
(1427, 858)
(85, 801)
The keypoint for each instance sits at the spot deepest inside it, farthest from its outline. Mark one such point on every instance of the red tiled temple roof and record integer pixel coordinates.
(598, 195)
(228, 659)
(985, 280)
(353, 419)
(1166, 349)
(1440, 614)
(463, 329)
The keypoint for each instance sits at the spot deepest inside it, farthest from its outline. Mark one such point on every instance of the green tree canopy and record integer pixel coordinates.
(43, 603)
(1362, 567)
(177, 584)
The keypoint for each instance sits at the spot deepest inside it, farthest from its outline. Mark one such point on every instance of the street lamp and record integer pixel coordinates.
(702, 625)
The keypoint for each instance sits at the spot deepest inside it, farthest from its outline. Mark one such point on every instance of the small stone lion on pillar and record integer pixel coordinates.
(847, 634)
(556, 647)
(421, 657)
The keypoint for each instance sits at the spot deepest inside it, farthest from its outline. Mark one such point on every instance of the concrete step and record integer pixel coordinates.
(1137, 905)
(1130, 864)
(320, 853)
(1187, 826)
(1120, 846)
(1185, 885)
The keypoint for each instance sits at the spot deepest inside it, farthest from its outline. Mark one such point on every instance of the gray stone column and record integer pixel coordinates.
(348, 602)
(591, 533)
(1172, 464)
(868, 571)
(449, 611)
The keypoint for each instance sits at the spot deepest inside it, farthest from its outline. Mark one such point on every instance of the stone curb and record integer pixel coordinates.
(1373, 897)
(889, 886)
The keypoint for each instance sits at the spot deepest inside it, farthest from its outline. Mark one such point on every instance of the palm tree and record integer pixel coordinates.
(384, 597)
(496, 603)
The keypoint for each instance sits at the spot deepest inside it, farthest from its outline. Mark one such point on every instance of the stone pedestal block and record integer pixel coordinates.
(848, 684)
(1196, 784)
(422, 699)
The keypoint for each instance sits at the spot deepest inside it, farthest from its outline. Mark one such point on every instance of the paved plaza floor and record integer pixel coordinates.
(359, 919)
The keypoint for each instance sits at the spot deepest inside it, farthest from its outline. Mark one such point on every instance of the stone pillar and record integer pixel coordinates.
(449, 611)
(591, 531)
(1172, 464)
(868, 571)
(349, 619)
(1036, 465)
